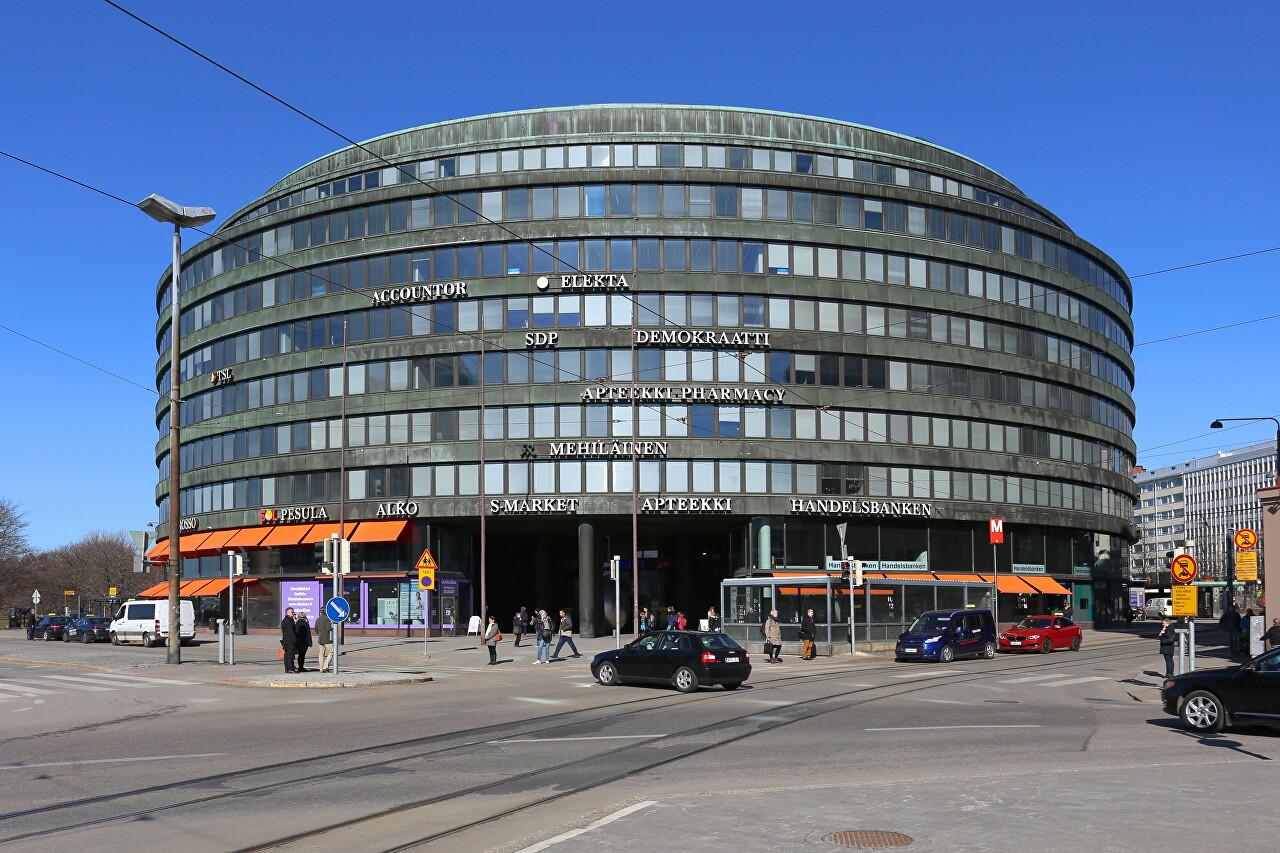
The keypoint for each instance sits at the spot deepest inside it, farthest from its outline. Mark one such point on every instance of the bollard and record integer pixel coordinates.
(222, 656)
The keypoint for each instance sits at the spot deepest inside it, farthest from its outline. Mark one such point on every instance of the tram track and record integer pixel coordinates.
(597, 769)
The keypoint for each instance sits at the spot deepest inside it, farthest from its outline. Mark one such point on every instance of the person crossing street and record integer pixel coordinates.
(566, 636)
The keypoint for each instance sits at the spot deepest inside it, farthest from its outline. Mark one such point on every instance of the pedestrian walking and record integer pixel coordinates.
(566, 636)
(772, 638)
(1271, 638)
(324, 634)
(681, 621)
(31, 624)
(303, 630)
(289, 639)
(644, 620)
(808, 633)
(491, 637)
(1168, 641)
(672, 619)
(542, 629)
(519, 623)
(713, 621)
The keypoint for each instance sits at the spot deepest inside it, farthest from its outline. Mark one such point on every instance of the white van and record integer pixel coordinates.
(1158, 608)
(147, 622)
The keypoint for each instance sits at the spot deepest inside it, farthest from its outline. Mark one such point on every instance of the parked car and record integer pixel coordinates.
(944, 635)
(148, 622)
(89, 629)
(683, 659)
(1208, 700)
(1158, 608)
(1041, 634)
(51, 627)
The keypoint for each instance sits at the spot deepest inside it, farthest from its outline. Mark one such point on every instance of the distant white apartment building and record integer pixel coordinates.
(1204, 501)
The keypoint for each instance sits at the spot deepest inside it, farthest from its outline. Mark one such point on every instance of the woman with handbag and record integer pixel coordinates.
(491, 638)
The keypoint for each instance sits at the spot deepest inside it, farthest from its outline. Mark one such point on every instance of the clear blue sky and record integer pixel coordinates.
(1149, 128)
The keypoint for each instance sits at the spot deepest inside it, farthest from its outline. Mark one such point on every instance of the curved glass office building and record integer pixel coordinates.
(505, 338)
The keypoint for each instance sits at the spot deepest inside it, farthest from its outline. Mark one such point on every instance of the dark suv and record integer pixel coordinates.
(944, 635)
(1209, 699)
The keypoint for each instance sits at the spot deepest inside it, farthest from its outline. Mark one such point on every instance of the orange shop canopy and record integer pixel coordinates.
(321, 532)
(188, 589)
(1009, 583)
(159, 551)
(1048, 585)
(247, 537)
(216, 541)
(289, 534)
(379, 531)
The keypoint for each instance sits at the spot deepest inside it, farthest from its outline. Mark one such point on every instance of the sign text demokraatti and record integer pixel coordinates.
(584, 281)
(608, 448)
(832, 506)
(419, 293)
(700, 337)
(679, 394)
(286, 514)
(687, 505)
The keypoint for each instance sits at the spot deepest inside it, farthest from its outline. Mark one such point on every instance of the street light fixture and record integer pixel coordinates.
(1218, 425)
(163, 210)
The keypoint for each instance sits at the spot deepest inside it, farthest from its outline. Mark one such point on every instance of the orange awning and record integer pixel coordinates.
(1009, 583)
(289, 534)
(321, 532)
(1048, 585)
(191, 588)
(157, 591)
(159, 551)
(191, 542)
(216, 541)
(379, 531)
(248, 537)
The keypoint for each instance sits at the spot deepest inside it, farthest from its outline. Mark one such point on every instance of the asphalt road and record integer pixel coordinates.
(977, 755)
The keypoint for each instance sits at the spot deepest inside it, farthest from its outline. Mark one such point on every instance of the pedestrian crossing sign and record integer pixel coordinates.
(426, 570)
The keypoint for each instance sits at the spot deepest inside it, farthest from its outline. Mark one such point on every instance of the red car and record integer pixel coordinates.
(1041, 634)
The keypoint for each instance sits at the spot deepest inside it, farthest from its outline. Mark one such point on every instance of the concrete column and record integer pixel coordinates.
(764, 547)
(588, 570)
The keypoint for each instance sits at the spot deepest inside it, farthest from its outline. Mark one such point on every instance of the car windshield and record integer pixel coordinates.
(931, 622)
(98, 620)
(718, 641)
(1038, 622)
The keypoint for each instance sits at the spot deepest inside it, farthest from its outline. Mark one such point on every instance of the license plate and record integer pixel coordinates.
(1015, 642)
(730, 660)
(911, 651)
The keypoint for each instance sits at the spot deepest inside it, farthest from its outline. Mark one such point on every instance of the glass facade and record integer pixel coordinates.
(742, 339)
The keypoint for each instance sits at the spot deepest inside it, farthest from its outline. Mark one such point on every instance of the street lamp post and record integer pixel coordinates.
(1230, 572)
(163, 210)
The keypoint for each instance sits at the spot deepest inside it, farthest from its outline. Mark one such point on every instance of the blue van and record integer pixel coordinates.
(944, 635)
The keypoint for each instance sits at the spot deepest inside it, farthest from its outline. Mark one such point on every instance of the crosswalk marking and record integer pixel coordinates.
(132, 678)
(67, 686)
(1027, 678)
(1074, 681)
(27, 691)
(927, 673)
(100, 684)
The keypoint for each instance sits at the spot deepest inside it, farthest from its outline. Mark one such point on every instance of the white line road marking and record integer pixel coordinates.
(940, 728)
(927, 674)
(772, 703)
(20, 710)
(107, 760)
(1074, 681)
(574, 833)
(66, 686)
(26, 691)
(1027, 678)
(539, 701)
(104, 685)
(939, 701)
(558, 739)
(158, 681)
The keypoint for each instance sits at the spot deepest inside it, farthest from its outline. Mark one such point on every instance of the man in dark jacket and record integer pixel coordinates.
(31, 623)
(303, 629)
(1168, 643)
(566, 636)
(808, 633)
(1271, 638)
(289, 639)
(519, 623)
(1230, 625)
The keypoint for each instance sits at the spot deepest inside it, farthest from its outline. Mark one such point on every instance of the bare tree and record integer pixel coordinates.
(94, 566)
(15, 556)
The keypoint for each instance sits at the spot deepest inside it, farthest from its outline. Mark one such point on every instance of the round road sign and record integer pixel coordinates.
(1184, 568)
(1246, 539)
(337, 609)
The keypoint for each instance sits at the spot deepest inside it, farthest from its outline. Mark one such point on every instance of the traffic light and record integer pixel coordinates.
(324, 555)
(346, 553)
(237, 564)
(845, 570)
(614, 563)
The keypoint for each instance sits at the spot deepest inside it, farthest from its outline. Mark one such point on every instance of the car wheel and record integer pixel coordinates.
(48, 635)
(989, 651)
(1202, 712)
(947, 655)
(84, 638)
(608, 675)
(733, 685)
(115, 641)
(685, 680)
(1045, 647)
(146, 641)
(1075, 644)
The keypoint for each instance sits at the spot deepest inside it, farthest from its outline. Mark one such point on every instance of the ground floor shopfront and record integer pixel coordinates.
(545, 555)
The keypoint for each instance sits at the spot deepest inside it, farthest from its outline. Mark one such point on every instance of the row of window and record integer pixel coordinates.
(699, 310)
(425, 373)
(644, 156)
(656, 476)
(847, 211)
(656, 421)
(650, 255)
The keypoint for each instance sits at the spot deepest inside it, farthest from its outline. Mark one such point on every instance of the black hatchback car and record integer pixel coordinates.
(683, 659)
(1209, 699)
(51, 627)
(89, 629)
